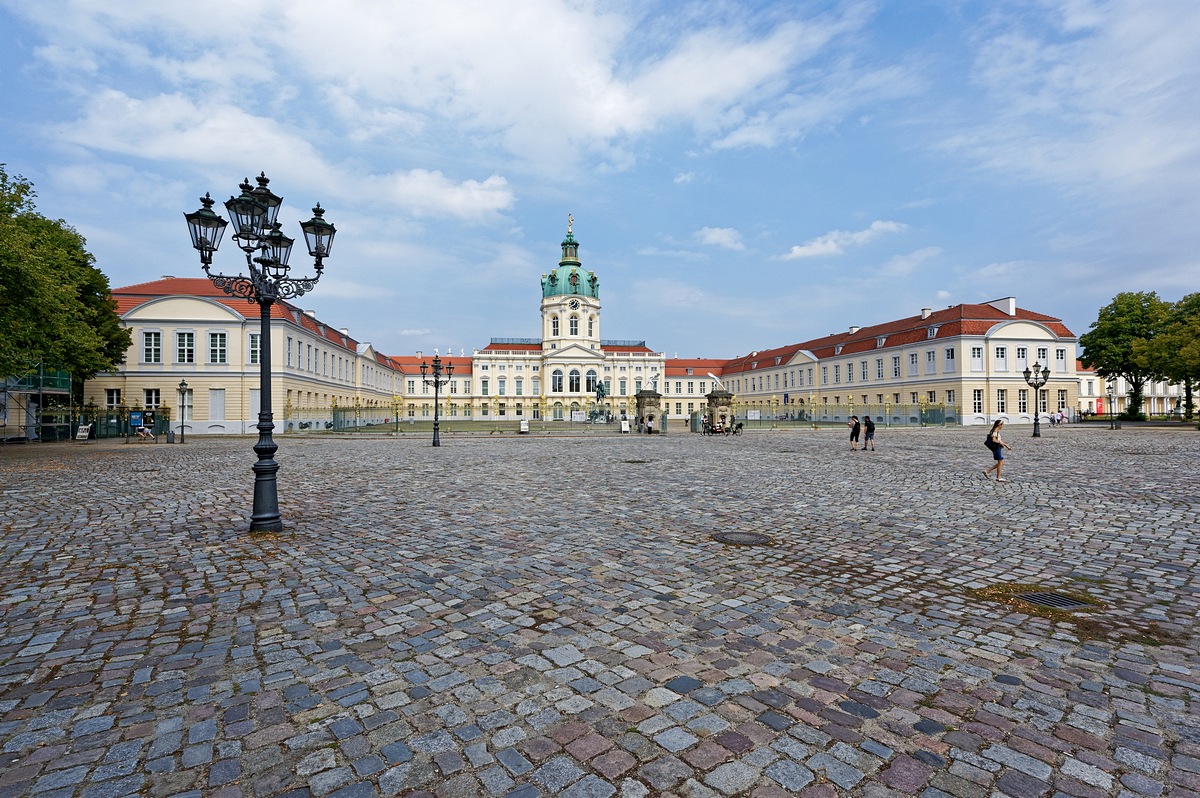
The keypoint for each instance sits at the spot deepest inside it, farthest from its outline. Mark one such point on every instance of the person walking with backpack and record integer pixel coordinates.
(997, 446)
(868, 433)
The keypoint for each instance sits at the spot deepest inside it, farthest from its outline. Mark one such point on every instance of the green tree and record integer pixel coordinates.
(55, 305)
(1109, 343)
(1175, 352)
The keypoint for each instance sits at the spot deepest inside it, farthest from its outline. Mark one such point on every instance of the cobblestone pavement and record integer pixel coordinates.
(552, 616)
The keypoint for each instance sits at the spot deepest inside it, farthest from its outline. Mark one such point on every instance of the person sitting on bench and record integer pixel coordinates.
(144, 433)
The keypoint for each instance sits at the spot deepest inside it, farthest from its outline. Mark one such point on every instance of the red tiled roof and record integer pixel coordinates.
(132, 296)
(411, 364)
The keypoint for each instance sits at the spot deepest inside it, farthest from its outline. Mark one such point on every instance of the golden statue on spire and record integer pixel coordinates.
(570, 221)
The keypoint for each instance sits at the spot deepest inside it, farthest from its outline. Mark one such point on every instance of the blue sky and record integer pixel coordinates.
(742, 175)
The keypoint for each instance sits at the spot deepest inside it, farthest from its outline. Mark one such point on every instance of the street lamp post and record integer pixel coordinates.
(182, 405)
(1036, 378)
(1112, 398)
(431, 374)
(256, 230)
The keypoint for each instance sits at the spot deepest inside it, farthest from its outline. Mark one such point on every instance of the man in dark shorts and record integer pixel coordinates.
(868, 433)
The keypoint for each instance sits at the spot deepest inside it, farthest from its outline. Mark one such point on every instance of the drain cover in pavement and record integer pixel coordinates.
(743, 538)
(1054, 600)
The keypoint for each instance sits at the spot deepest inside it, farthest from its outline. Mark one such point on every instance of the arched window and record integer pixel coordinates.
(558, 411)
(554, 325)
(573, 387)
(574, 325)
(556, 381)
(591, 381)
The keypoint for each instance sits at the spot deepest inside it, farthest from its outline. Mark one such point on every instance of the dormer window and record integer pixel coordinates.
(777, 360)
(689, 372)
(754, 364)
(837, 350)
(880, 341)
(932, 332)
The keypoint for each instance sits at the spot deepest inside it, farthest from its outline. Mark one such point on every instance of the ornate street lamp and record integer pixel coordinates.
(1036, 379)
(256, 230)
(433, 375)
(182, 406)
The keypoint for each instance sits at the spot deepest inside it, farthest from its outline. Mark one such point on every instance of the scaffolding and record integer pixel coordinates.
(36, 407)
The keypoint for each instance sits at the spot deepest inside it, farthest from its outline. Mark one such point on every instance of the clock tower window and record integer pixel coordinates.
(554, 325)
(574, 325)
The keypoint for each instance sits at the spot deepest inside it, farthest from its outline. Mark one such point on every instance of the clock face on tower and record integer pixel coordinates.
(574, 304)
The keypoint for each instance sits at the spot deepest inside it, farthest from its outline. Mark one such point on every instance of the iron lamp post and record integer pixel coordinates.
(182, 405)
(1112, 399)
(256, 231)
(1036, 378)
(433, 375)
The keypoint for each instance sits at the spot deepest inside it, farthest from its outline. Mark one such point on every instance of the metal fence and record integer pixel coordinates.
(884, 415)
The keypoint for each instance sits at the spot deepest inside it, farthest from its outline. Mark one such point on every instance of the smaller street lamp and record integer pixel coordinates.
(182, 406)
(436, 375)
(1112, 398)
(1036, 378)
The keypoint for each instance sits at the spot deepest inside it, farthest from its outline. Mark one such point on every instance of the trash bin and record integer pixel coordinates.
(170, 436)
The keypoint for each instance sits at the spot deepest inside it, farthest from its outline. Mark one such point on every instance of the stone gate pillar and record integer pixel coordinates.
(720, 407)
(649, 408)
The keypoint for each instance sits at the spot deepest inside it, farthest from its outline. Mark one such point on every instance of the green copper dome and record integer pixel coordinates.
(570, 278)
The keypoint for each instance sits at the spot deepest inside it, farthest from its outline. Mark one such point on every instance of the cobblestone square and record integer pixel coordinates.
(550, 615)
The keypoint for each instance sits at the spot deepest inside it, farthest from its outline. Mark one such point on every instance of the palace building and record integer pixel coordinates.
(197, 348)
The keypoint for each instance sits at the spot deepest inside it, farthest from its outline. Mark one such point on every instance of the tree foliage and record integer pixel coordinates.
(1109, 344)
(55, 305)
(1175, 351)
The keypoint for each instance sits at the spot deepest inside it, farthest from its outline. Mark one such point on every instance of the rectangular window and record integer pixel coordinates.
(1060, 360)
(185, 347)
(912, 397)
(255, 348)
(931, 361)
(1001, 400)
(289, 350)
(810, 377)
(849, 373)
(879, 368)
(977, 400)
(837, 375)
(483, 387)
(824, 375)
(932, 397)
(950, 356)
(151, 347)
(1022, 401)
(308, 363)
(501, 388)
(679, 408)
(520, 387)
(112, 397)
(691, 386)
(153, 398)
(1042, 356)
(864, 372)
(1062, 400)
(1022, 353)
(454, 386)
(218, 348)
(949, 397)
(1002, 353)
(896, 366)
(1043, 399)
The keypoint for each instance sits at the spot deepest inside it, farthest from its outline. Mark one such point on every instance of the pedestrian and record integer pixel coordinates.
(997, 446)
(868, 433)
(855, 429)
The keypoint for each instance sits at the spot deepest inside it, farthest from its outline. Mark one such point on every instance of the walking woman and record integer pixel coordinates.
(997, 446)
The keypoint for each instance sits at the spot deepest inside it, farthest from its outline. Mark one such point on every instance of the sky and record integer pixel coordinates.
(742, 175)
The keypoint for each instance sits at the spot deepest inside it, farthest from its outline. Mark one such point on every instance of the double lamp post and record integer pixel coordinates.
(255, 229)
(434, 376)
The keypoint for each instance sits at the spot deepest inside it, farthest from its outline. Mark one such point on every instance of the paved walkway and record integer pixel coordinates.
(552, 616)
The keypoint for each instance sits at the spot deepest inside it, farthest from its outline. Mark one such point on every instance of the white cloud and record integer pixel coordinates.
(415, 333)
(684, 177)
(904, 265)
(724, 237)
(837, 241)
